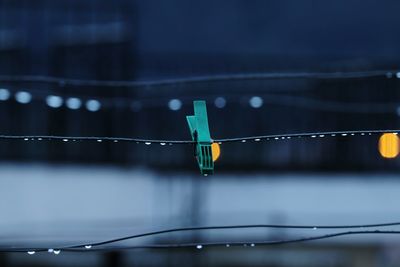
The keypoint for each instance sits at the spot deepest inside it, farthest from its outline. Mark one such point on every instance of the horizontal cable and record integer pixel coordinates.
(305, 135)
(200, 79)
(220, 141)
(100, 246)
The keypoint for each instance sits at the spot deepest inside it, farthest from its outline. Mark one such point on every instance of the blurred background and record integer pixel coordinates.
(61, 193)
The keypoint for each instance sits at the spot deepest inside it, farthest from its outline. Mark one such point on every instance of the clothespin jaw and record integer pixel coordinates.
(198, 125)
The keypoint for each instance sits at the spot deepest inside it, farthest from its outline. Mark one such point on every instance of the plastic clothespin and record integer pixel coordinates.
(198, 125)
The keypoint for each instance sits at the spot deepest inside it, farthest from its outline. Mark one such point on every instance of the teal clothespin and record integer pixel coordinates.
(198, 125)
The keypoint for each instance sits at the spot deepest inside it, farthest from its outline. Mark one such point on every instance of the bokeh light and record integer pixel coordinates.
(216, 151)
(389, 145)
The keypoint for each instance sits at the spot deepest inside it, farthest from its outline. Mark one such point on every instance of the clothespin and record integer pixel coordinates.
(198, 125)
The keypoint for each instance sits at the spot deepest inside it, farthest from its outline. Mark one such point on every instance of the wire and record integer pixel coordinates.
(200, 79)
(95, 246)
(305, 135)
(172, 142)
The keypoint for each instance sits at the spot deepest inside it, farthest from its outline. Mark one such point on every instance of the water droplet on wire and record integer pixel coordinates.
(50, 250)
(147, 143)
(314, 228)
(227, 245)
(56, 251)
(162, 143)
(31, 252)
(88, 246)
(252, 245)
(199, 246)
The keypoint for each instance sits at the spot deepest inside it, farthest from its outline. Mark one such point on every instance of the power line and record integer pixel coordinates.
(199, 79)
(199, 245)
(185, 142)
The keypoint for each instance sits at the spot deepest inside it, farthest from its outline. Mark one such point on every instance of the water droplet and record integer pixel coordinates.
(147, 143)
(199, 246)
(163, 144)
(99, 140)
(314, 228)
(243, 141)
(313, 136)
(50, 250)
(321, 135)
(276, 138)
(333, 134)
(115, 141)
(398, 75)
(257, 140)
(362, 133)
(219, 143)
(352, 134)
(31, 252)
(56, 251)
(227, 245)
(65, 140)
(369, 133)
(39, 139)
(288, 137)
(88, 246)
(252, 245)
(344, 134)
(282, 137)
(205, 174)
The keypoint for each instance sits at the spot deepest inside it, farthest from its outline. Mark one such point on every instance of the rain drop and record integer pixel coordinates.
(50, 250)
(88, 246)
(313, 136)
(115, 141)
(31, 252)
(252, 245)
(199, 246)
(56, 252)
(26, 139)
(99, 140)
(344, 134)
(147, 143)
(65, 140)
(314, 228)
(227, 245)
(243, 141)
(257, 140)
(321, 135)
(163, 144)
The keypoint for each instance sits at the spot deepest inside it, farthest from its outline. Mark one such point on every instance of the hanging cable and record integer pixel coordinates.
(220, 141)
(101, 247)
(200, 79)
